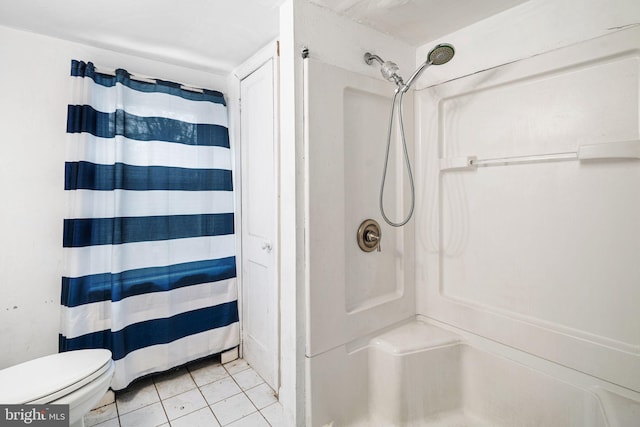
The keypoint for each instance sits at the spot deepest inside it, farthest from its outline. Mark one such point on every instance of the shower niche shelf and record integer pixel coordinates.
(602, 151)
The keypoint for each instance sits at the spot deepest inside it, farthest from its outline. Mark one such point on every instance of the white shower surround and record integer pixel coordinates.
(502, 353)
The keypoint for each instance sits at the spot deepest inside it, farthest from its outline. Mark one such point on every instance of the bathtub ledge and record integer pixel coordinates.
(414, 337)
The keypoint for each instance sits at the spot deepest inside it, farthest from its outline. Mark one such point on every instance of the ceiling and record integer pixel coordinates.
(213, 35)
(218, 35)
(418, 21)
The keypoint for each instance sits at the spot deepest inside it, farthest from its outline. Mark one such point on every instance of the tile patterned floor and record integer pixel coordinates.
(201, 394)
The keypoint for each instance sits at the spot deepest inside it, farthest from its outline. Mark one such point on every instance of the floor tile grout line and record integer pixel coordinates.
(250, 401)
(199, 409)
(241, 370)
(229, 374)
(223, 399)
(143, 406)
(203, 397)
(161, 403)
(256, 386)
(244, 392)
(265, 418)
(248, 397)
(117, 409)
(248, 415)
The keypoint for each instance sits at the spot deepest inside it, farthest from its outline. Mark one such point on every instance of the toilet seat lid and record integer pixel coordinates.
(47, 375)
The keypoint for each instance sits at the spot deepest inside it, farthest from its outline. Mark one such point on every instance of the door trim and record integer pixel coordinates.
(268, 53)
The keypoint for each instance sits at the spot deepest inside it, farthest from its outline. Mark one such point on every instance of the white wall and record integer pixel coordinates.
(526, 30)
(35, 90)
(292, 297)
(538, 256)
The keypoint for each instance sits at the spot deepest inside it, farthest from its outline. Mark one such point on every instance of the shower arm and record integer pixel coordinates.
(370, 57)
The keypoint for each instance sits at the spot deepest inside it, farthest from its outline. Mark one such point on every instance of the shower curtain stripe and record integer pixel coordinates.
(149, 238)
(98, 287)
(111, 99)
(90, 176)
(83, 261)
(116, 231)
(138, 362)
(157, 331)
(96, 204)
(146, 153)
(120, 123)
(191, 297)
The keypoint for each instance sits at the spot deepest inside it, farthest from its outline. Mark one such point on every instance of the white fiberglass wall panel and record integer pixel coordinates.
(553, 110)
(353, 293)
(519, 240)
(343, 106)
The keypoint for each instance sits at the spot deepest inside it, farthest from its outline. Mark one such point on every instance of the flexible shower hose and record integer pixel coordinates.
(406, 160)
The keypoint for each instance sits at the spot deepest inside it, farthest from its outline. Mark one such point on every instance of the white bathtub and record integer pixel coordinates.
(419, 374)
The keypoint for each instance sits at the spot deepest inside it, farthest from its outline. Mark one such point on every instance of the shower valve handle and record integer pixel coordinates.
(371, 236)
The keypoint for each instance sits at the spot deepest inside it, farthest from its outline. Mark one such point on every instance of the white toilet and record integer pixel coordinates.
(76, 378)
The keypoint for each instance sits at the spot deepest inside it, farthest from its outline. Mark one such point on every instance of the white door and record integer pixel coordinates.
(260, 309)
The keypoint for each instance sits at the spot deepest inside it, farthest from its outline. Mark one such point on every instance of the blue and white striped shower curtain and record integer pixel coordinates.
(149, 244)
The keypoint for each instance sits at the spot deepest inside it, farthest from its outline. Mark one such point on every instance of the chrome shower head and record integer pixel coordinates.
(441, 54)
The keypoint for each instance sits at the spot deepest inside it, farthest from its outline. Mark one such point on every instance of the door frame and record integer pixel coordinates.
(268, 53)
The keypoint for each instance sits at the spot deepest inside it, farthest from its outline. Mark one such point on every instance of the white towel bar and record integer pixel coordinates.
(609, 150)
